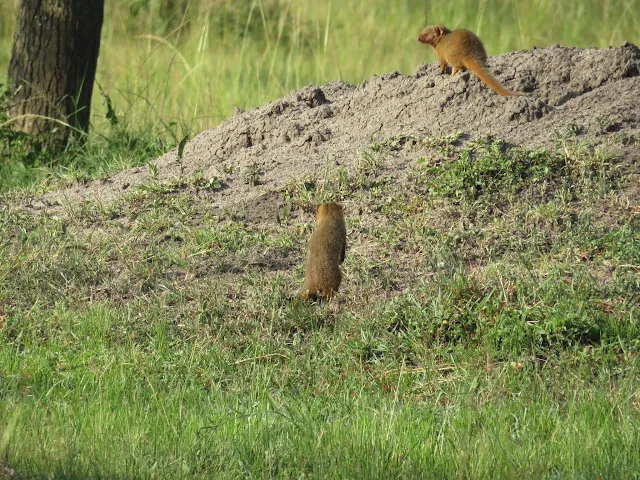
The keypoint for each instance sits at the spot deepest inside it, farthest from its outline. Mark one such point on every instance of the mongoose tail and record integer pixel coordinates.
(483, 73)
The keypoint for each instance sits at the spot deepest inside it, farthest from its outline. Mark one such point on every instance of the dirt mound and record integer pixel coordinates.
(299, 134)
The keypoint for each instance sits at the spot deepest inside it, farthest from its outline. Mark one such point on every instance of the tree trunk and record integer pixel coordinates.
(53, 65)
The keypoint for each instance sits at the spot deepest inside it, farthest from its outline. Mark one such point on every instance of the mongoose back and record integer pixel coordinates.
(325, 252)
(462, 50)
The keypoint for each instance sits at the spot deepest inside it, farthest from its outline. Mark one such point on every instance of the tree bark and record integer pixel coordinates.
(53, 65)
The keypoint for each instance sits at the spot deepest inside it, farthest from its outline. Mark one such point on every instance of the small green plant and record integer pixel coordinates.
(181, 146)
(252, 173)
(393, 143)
(153, 171)
(212, 183)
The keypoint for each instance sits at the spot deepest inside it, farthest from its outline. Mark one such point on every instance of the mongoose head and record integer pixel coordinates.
(327, 209)
(432, 35)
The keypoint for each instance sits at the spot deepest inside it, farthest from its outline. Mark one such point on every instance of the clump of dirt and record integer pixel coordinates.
(300, 134)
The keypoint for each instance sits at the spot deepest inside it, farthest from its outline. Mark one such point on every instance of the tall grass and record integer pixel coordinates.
(193, 62)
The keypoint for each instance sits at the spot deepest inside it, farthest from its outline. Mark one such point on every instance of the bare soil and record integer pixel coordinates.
(308, 131)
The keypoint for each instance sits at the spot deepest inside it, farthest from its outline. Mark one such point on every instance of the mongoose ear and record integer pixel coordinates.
(439, 30)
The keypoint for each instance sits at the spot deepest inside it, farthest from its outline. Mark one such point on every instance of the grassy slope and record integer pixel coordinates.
(488, 327)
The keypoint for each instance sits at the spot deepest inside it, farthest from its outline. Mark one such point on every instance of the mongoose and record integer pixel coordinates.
(462, 50)
(325, 252)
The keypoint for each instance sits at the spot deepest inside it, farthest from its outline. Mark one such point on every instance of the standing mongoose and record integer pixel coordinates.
(462, 50)
(325, 252)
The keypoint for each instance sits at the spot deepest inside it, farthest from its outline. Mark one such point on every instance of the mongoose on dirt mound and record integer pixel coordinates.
(462, 50)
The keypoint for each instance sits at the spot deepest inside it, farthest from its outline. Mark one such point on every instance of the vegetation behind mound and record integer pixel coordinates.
(176, 67)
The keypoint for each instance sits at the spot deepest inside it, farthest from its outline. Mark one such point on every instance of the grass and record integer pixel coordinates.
(157, 337)
(488, 324)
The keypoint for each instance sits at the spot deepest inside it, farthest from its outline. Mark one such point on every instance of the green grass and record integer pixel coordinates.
(488, 326)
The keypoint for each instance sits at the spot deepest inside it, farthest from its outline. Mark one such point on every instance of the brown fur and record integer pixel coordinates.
(462, 50)
(325, 252)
